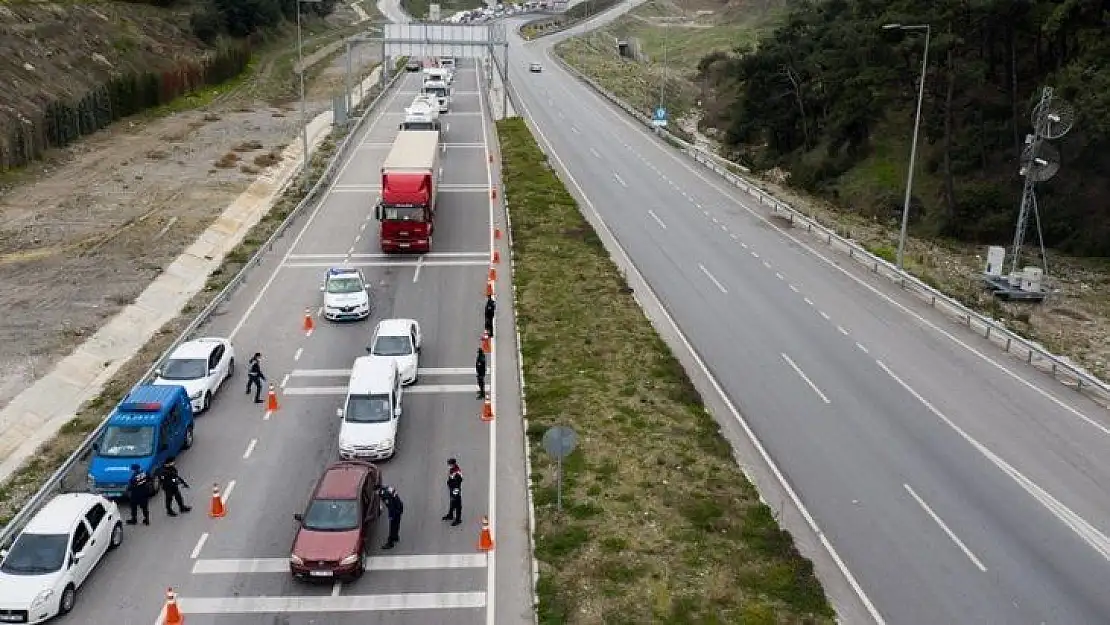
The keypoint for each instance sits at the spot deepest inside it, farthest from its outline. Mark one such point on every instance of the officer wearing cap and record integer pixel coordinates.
(395, 508)
(138, 494)
(454, 492)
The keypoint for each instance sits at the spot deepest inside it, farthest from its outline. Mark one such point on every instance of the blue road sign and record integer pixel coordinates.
(660, 117)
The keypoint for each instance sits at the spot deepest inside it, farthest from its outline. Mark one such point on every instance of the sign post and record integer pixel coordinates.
(559, 441)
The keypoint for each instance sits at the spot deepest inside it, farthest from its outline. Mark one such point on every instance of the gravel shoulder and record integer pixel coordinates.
(85, 232)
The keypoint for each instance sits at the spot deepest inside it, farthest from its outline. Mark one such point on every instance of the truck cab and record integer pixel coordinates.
(442, 92)
(422, 114)
(151, 424)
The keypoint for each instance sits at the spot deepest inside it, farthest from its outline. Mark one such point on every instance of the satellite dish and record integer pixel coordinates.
(1053, 118)
(1040, 164)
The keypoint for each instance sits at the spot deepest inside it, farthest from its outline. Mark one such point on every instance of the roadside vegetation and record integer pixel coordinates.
(716, 49)
(659, 524)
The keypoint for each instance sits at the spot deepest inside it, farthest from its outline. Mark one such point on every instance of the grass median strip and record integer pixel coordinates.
(659, 525)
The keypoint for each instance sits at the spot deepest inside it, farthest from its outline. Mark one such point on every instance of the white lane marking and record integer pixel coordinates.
(766, 264)
(422, 389)
(842, 330)
(1092, 536)
(714, 220)
(743, 245)
(805, 377)
(429, 255)
(284, 381)
(724, 227)
(304, 228)
(395, 263)
(362, 226)
(594, 152)
(200, 545)
(336, 588)
(574, 130)
(358, 237)
(793, 288)
(736, 415)
(712, 279)
(947, 530)
(779, 276)
(862, 348)
(250, 449)
(619, 179)
(343, 373)
(320, 311)
(824, 315)
(421, 562)
(657, 219)
(227, 491)
(297, 354)
(755, 255)
(808, 301)
(349, 603)
(735, 237)
(419, 266)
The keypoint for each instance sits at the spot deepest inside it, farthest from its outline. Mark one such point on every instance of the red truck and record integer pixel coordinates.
(407, 207)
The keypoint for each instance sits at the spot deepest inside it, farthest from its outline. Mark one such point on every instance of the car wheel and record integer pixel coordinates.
(69, 597)
(188, 438)
(230, 368)
(117, 536)
(207, 401)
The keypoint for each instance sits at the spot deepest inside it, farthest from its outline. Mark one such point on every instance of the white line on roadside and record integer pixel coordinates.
(297, 354)
(713, 279)
(943, 526)
(823, 314)
(618, 178)
(250, 448)
(657, 219)
(862, 348)
(594, 152)
(842, 330)
(200, 545)
(805, 378)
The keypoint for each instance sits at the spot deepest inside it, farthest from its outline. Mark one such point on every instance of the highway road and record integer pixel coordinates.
(235, 569)
(952, 485)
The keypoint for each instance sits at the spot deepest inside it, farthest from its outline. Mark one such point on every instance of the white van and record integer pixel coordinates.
(441, 91)
(371, 411)
(439, 73)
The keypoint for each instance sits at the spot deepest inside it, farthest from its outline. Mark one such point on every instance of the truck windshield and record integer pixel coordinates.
(404, 213)
(36, 554)
(439, 92)
(126, 441)
(367, 409)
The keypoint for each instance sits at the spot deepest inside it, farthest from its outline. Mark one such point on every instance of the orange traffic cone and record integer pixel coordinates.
(489, 288)
(309, 324)
(492, 273)
(485, 342)
(487, 410)
(271, 400)
(496, 257)
(485, 538)
(217, 511)
(173, 614)
(497, 233)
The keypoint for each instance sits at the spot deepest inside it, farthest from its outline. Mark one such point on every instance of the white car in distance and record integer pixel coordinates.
(201, 366)
(54, 555)
(346, 295)
(398, 340)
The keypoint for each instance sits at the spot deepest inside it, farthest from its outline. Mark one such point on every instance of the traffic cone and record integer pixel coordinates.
(489, 288)
(217, 511)
(496, 257)
(485, 538)
(271, 400)
(492, 273)
(173, 614)
(309, 324)
(487, 410)
(497, 233)
(485, 342)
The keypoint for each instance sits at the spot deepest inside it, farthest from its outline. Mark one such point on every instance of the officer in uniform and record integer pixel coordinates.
(491, 310)
(395, 508)
(480, 370)
(138, 494)
(454, 492)
(255, 377)
(172, 482)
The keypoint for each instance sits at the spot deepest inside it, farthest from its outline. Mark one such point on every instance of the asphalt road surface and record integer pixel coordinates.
(235, 569)
(955, 485)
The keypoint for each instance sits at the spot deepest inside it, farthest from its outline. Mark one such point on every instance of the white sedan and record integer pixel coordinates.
(54, 555)
(201, 366)
(346, 294)
(399, 340)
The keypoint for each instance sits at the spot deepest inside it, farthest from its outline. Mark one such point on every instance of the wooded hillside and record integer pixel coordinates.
(829, 97)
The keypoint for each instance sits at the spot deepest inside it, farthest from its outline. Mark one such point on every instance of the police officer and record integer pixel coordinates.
(491, 310)
(454, 492)
(395, 508)
(172, 482)
(480, 369)
(138, 494)
(255, 377)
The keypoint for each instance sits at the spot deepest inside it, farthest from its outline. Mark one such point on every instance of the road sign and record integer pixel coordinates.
(559, 441)
(660, 117)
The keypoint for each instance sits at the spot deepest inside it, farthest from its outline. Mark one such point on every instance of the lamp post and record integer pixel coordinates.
(304, 106)
(916, 126)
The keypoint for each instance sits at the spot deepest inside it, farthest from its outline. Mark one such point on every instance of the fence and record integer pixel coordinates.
(54, 483)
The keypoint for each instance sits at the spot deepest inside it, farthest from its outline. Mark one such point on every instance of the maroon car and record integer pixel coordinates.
(335, 527)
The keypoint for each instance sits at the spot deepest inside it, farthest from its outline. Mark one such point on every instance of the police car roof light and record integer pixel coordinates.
(141, 406)
(335, 271)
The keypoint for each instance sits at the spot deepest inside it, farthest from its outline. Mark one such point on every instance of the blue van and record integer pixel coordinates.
(151, 424)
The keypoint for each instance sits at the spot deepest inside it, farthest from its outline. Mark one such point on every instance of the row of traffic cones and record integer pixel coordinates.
(487, 346)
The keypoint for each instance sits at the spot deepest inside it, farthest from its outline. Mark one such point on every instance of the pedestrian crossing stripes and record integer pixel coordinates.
(342, 373)
(422, 389)
(393, 263)
(354, 603)
(235, 566)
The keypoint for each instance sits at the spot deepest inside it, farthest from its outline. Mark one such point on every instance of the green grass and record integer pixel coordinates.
(659, 523)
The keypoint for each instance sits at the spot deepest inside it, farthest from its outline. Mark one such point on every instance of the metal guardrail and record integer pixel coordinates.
(998, 334)
(54, 482)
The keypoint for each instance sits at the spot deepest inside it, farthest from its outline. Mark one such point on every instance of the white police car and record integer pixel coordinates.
(346, 294)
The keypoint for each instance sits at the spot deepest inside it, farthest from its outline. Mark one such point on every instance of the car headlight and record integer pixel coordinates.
(196, 395)
(42, 598)
(295, 559)
(349, 560)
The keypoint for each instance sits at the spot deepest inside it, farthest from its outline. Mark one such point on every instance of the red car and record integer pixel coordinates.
(336, 525)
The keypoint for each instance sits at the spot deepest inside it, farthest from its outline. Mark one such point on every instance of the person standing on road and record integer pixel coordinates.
(172, 482)
(395, 508)
(480, 369)
(491, 310)
(138, 495)
(255, 377)
(454, 492)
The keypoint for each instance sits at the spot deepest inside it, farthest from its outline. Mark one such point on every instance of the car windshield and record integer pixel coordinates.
(36, 554)
(185, 369)
(344, 285)
(331, 515)
(392, 346)
(367, 409)
(125, 441)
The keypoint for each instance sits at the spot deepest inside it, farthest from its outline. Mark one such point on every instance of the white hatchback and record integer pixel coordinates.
(54, 555)
(398, 340)
(201, 366)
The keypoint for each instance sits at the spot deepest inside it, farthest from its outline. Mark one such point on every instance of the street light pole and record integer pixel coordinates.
(916, 127)
(304, 106)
